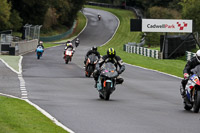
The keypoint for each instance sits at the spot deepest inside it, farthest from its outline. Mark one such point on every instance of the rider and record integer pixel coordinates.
(69, 45)
(99, 16)
(113, 58)
(40, 44)
(187, 70)
(93, 50)
(77, 42)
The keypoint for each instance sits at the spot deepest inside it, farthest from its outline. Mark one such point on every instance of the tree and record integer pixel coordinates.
(4, 14)
(191, 10)
(15, 20)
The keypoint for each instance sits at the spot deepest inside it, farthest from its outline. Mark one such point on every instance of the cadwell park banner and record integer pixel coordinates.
(166, 25)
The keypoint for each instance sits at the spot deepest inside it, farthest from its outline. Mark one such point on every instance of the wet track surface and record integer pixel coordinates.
(147, 101)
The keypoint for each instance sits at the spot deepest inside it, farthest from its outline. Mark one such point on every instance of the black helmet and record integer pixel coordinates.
(111, 53)
(94, 48)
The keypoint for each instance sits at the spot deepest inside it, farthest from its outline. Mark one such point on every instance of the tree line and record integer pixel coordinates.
(49, 13)
(165, 9)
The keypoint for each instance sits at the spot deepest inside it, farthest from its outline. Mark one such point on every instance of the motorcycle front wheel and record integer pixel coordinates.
(38, 55)
(66, 59)
(107, 91)
(196, 105)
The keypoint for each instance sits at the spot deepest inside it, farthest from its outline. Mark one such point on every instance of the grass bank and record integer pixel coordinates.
(123, 36)
(16, 116)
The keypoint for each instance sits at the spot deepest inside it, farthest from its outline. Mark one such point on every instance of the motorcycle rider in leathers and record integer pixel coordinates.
(116, 60)
(92, 51)
(187, 71)
(69, 45)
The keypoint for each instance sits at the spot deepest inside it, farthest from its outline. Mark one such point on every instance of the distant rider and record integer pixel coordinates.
(187, 70)
(113, 58)
(40, 44)
(99, 16)
(77, 42)
(69, 45)
(93, 50)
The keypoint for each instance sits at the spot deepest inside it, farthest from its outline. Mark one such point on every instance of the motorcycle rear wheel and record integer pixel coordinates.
(196, 105)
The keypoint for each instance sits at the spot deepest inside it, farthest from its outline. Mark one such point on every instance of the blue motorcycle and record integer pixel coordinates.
(39, 52)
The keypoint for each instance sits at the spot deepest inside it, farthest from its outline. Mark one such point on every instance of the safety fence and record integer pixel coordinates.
(60, 36)
(189, 55)
(131, 48)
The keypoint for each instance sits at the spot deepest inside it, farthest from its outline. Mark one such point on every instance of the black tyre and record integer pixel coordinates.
(67, 60)
(196, 105)
(107, 91)
(38, 55)
(100, 96)
(89, 70)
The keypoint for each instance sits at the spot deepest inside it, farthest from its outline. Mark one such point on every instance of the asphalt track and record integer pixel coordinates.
(147, 102)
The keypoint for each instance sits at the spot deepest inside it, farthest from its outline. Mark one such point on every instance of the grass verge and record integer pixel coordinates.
(16, 116)
(11, 61)
(123, 36)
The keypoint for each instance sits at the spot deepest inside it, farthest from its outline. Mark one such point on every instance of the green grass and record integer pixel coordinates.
(11, 61)
(47, 45)
(123, 36)
(17, 116)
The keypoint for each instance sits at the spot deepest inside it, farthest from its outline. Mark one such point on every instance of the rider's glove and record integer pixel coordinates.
(186, 75)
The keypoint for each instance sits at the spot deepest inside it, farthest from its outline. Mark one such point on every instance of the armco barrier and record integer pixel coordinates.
(60, 36)
(141, 50)
(189, 55)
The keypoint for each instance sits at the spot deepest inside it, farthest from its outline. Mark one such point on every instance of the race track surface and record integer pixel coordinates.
(147, 102)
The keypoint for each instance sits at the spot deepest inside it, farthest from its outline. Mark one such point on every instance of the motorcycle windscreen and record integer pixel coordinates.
(93, 58)
(109, 70)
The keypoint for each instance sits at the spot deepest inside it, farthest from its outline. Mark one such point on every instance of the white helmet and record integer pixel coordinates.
(198, 56)
(41, 42)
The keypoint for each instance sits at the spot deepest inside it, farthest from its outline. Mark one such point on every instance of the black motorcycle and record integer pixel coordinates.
(107, 80)
(99, 17)
(192, 91)
(90, 65)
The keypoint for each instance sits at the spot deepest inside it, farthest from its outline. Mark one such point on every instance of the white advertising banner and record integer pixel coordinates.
(166, 25)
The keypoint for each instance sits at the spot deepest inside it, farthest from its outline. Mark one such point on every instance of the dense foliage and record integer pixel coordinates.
(49, 13)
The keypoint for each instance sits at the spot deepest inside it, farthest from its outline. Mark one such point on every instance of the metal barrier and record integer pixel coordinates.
(60, 36)
(132, 48)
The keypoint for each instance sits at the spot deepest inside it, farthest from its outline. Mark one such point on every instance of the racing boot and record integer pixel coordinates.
(182, 91)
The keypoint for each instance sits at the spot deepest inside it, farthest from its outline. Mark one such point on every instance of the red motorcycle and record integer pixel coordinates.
(68, 55)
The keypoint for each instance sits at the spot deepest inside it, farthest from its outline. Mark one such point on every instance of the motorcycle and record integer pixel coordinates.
(68, 55)
(192, 91)
(90, 65)
(39, 52)
(77, 43)
(107, 80)
(99, 17)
